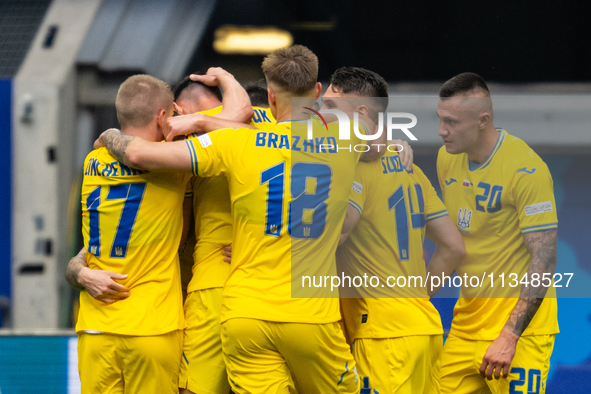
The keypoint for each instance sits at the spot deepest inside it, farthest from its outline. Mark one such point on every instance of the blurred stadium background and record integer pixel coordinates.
(62, 61)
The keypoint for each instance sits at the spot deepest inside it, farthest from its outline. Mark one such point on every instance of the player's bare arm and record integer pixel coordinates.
(236, 112)
(450, 248)
(141, 154)
(542, 247)
(350, 222)
(499, 355)
(99, 284)
(187, 124)
(76, 264)
(237, 106)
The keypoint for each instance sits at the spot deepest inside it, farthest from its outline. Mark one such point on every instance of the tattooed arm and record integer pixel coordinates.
(499, 355)
(100, 284)
(542, 247)
(138, 153)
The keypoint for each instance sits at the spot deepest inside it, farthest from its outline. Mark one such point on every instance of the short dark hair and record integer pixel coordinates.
(363, 82)
(259, 97)
(463, 83)
(188, 83)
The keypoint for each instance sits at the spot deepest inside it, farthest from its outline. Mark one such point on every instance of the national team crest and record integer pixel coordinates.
(464, 218)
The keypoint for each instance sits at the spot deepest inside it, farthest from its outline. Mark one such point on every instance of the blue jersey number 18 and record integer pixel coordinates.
(320, 176)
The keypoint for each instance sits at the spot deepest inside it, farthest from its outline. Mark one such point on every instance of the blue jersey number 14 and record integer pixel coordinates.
(397, 201)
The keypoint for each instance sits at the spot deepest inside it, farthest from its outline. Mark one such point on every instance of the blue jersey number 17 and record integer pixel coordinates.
(131, 194)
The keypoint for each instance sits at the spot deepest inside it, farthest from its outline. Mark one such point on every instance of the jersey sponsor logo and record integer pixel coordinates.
(524, 169)
(450, 181)
(464, 218)
(357, 187)
(205, 140)
(364, 318)
(535, 209)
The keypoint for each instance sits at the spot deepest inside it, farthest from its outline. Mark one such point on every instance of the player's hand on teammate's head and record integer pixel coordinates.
(227, 252)
(212, 77)
(406, 154)
(101, 285)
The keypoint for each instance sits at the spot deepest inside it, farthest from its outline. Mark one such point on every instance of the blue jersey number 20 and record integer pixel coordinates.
(302, 199)
(132, 194)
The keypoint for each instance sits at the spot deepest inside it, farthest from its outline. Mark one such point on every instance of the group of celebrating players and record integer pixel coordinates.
(266, 205)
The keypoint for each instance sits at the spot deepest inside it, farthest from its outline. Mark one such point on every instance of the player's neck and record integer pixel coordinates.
(207, 103)
(482, 149)
(286, 112)
(148, 133)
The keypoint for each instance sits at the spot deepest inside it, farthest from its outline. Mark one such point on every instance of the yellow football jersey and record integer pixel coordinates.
(493, 204)
(213, 219)
(132, 223)
(388, 241)
(289, 196)
(262, 116)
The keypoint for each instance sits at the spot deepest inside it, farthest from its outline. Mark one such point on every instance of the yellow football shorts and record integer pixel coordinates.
(269, 357)
(461, 360)
(110, 364)
(404, 365)
(202, 368)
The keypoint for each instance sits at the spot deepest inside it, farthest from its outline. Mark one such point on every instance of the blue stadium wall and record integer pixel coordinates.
(6, 188)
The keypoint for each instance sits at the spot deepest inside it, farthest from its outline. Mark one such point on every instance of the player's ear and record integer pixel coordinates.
(178, 109)
(272, 97)
(318, 89)
(161, 117)
(363, 110)
(483, 120)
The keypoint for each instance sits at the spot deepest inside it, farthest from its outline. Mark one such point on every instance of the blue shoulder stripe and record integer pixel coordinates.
(437, 215)
(356, 206)
(541, 227)
(194, 165)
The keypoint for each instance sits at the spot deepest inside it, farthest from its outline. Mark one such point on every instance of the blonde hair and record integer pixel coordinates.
(293, 69)
(139, 98)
